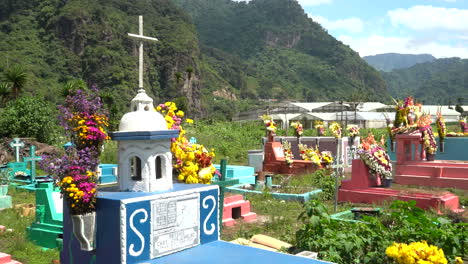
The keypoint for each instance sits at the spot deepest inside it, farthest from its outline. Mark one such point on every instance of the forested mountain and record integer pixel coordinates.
(271, 49)
(391, 61)
(442, 81)
(62, 40)
(212, 56)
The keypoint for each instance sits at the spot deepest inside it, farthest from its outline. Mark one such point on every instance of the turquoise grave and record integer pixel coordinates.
(245, 174)
(46, 230)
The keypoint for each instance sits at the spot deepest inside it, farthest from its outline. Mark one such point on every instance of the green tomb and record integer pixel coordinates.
(47, 229)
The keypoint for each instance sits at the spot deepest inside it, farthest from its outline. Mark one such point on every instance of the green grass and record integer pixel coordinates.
(16, 243)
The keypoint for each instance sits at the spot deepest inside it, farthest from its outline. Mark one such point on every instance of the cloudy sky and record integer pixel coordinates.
(437, 27)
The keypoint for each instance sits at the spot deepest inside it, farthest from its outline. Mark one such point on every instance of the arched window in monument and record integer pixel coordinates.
(135, 168)
(159, 164)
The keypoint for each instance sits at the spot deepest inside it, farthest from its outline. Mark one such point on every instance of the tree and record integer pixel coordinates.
(4, 92)
(72, 86)
(16, 76)
(29, 117)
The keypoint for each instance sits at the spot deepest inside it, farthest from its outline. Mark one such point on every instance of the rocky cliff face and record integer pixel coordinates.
(88, 40)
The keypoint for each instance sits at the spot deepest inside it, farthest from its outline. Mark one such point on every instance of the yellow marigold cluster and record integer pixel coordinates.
(416, 253)
(90, 129)
(288, 155)
(298, 128)
(318, 124)
(269, 123)
(193, 162)
(335, 128)
(314, 155)
(73, 193)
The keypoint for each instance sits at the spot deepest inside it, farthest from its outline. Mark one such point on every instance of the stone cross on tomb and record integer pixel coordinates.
(33, 158)
(17, 144)
(141, 37)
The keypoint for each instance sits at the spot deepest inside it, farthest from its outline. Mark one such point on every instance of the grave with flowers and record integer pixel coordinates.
(416, 148)
(150, 219)
(373, 172)
(281, 154)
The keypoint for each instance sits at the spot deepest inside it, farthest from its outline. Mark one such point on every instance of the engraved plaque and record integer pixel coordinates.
(175, 224)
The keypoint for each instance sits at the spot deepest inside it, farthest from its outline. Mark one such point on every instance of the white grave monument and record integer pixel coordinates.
(145, 158)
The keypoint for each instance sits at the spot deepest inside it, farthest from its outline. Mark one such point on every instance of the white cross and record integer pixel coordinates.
(16, 144)
(141, 37)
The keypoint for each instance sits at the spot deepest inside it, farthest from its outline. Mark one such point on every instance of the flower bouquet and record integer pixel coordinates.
(269, 123)
(319, 127)
(463, 126)
(85, 122)
(407, 114)
(427, 136)
(353, 131)
(288, 155)
(335, 128)
(441, 129)
(376, 158)
(318, 158)
(298, 129)
(192, 162)
(327, 158)
(310, 154)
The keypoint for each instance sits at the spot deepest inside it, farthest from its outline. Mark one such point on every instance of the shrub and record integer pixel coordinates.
(345, 242)
(29, 117)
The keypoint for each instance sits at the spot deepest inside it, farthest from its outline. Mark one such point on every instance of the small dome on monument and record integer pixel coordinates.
(143, 116)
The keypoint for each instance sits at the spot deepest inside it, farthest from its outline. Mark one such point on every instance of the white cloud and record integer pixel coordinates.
(353, 24)
(376, 44)
(314, 2)
(430, 17)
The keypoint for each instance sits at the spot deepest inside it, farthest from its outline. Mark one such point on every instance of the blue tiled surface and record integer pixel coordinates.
(228, 253)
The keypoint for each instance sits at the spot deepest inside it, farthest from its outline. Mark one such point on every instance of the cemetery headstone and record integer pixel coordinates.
(17, 144)
(5, 199)
(32, 158)
(412, 169)
(361, 188)
(47, 229)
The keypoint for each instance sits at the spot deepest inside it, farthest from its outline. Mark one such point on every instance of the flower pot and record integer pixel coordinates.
(350, 141)
(442, 146)
(430, 157)
(3, 190)
(84, 230)
(387, 183)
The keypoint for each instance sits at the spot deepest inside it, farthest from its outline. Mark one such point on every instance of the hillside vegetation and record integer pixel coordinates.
(443, 81)
(214, 57)
(391, 61)
(271, 49)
